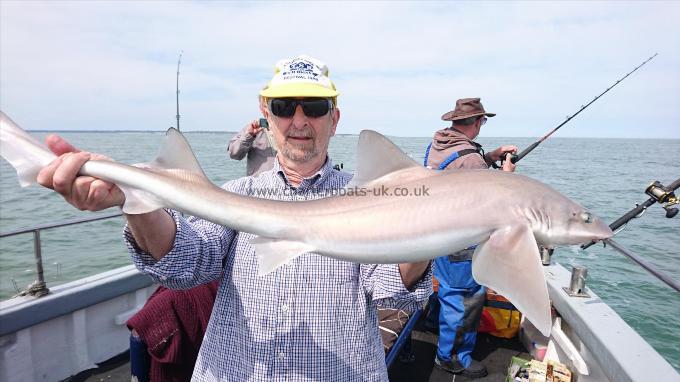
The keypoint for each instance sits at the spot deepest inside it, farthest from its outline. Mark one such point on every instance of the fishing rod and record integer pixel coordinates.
(645, 264)
(179, 60)
(658, 193)
(517, 157)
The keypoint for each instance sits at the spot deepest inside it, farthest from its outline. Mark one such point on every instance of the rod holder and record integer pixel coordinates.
(546, 254)
(577, 286)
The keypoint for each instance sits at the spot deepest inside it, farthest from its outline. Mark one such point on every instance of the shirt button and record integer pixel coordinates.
(284, 308)
(282, 355)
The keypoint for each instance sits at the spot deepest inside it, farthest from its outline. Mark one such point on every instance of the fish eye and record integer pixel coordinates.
(587, 217)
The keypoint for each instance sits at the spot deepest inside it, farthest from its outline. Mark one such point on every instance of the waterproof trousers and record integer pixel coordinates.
(461, 302)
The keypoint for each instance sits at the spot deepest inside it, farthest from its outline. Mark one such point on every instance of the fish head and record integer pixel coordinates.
(570, 224)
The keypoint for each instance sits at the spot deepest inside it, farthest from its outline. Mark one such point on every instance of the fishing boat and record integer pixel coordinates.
(77, 330)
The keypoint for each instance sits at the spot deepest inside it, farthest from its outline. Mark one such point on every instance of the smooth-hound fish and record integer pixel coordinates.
(393, 211)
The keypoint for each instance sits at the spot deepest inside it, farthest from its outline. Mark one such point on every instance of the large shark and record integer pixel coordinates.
(393, 211)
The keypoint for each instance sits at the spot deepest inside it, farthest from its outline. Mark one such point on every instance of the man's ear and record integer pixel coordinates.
(263, 108)
(335, 116)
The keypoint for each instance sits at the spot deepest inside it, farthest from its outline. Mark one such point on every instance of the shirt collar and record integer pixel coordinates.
(315, 180)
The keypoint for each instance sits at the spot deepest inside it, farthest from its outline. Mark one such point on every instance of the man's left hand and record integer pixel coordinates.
(500, 152)
(411, 273)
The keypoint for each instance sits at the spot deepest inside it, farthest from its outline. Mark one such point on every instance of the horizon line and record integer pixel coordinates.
(340, 134)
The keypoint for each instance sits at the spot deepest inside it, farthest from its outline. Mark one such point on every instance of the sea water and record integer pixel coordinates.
(608, 176)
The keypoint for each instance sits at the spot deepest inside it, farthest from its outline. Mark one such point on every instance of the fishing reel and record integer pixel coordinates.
(663, 195)
(514, 158)
(658, 194)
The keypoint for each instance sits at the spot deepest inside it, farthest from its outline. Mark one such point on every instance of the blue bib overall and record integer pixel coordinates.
(460, 299)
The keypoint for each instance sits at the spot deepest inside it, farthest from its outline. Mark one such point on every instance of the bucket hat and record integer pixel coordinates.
(466, 108)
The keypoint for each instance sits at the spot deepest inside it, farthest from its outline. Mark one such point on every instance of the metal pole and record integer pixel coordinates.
(179, 60)
(38, 288)
(38, 255)
(646, 265)
(577, 285)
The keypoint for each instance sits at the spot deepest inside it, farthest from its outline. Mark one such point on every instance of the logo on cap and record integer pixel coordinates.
(301, 66)
(300, 70)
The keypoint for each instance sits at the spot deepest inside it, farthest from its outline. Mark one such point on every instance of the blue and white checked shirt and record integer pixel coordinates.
(312, 320)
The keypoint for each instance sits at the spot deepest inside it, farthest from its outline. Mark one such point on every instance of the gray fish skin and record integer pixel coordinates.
(506, 214)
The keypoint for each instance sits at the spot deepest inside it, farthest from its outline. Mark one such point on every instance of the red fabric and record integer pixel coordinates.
(172, 324)
(486, 324)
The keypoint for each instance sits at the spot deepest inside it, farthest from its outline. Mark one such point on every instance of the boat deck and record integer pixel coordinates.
(495, 353)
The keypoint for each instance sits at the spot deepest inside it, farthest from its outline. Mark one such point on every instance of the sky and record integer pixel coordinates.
(98, 65)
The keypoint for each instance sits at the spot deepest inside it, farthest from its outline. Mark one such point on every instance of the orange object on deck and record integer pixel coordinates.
(499, 318)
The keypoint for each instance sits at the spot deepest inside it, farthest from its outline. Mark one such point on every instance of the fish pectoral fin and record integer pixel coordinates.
(509, 263)
(273, 253)
(139, 202)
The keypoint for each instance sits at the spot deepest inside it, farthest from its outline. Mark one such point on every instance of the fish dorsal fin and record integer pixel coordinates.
(175, 153)
(377, 156)
(175, 156)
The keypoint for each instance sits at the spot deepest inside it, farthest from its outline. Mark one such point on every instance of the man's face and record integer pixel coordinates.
(478, 126)
(302, 139)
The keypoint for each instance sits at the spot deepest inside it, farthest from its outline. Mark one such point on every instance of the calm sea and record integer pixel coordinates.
(606, 175)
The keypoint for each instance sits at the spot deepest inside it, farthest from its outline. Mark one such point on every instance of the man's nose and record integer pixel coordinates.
(299, 118)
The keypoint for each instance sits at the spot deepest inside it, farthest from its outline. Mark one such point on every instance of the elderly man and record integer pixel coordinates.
(460, 298)
(313, 319)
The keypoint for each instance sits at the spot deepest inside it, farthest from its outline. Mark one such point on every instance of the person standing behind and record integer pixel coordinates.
(461, 299)
(253, 141)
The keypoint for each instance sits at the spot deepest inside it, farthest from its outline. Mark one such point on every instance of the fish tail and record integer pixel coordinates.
(22, 151)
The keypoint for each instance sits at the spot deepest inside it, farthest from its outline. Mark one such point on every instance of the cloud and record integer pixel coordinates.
(399, 66)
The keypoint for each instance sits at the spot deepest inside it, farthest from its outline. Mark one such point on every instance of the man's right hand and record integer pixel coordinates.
(154, 232)
(254, 128)
(83, 192)
(507, 163)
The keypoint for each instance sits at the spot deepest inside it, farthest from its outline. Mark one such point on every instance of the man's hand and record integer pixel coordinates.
(500, 152)
(83, 192)
(254, 128)
(507, 163)
(411, 273)
(154, 232)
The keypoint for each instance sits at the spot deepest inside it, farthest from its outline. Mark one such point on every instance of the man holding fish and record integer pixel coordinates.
(312, 319)
(299, 280)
